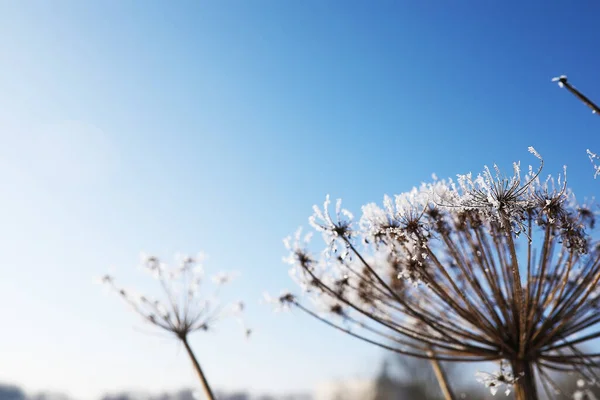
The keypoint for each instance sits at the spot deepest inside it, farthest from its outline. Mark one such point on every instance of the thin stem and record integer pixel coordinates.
(441, 378)
(207, 390)
(580, 95)
(463, 356)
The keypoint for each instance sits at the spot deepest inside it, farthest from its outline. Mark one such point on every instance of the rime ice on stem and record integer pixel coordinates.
(480, 268)
(564, 83)
(181, 310)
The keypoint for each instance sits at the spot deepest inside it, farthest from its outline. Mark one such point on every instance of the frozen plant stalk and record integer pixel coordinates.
(564, 83)
(181, 311)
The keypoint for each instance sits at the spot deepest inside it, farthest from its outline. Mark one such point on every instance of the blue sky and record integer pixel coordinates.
(215, 126)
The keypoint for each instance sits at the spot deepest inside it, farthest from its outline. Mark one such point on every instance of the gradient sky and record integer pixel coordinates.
(216, 125)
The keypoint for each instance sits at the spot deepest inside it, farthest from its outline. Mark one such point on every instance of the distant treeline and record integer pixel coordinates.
(13, 392)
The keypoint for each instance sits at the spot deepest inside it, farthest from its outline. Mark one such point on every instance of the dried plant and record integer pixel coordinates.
(181, 311)
(486, 268)
(564, 83)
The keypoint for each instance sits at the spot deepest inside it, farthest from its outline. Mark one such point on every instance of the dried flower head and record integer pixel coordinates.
(281, 302)
(181, 310)
(485, 268)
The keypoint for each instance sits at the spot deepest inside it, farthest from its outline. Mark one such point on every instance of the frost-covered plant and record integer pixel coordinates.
(484, 268)
(500, 380)
(563, 83)
(593, 158)
(181, 310)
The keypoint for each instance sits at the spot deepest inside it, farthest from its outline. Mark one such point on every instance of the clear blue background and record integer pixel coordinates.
(216, 125)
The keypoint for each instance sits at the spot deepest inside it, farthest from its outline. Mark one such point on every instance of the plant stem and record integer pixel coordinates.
(525, 385)
(207, 390)
(442, 379)
(580, 96)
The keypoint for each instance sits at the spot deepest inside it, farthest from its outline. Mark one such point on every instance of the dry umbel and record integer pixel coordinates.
(485, 268)
(182, 310)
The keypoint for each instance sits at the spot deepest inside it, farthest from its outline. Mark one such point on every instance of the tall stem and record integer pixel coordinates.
(207, 390)
(442, 379)
(525, 385)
